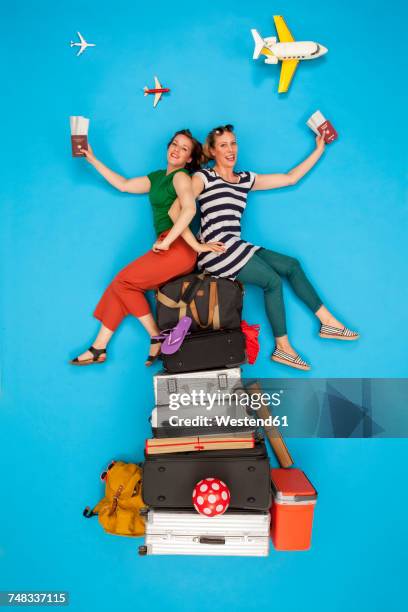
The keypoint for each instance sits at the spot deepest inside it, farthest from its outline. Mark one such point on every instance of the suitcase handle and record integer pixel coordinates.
(189, 293)
(211, 540)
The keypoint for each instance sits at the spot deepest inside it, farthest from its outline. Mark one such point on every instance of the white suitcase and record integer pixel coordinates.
(190, 533)
(210, 381)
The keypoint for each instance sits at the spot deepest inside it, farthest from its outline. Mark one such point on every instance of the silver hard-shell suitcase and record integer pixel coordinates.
(226, 381)
(190, 533)
(201, 420)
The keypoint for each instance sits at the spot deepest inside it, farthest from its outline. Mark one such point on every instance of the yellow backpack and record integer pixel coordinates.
(121, 510)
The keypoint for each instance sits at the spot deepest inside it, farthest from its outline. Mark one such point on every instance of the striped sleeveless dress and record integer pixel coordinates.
(222, 205)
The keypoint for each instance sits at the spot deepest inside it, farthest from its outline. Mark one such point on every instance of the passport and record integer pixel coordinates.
(319, 124)
(78, 143)
(79, 135)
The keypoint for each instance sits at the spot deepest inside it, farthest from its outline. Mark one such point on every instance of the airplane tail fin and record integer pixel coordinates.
(259, 44)
(145, 88)
(72, 43)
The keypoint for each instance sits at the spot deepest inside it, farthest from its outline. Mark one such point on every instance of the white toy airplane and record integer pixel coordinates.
(158, 90)
(83, 44)
(287, 50)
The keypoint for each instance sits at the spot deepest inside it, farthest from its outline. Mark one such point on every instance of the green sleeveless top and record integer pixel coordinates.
(162, 195)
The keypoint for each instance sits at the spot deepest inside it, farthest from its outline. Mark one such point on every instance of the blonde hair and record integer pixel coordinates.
(210, 140)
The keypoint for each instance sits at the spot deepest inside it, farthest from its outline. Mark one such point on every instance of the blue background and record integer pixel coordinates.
(65, 233)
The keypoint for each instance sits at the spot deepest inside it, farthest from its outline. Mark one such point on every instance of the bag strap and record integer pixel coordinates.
(216, 316)
(116, 500)
(166, 301)
(183, 307)
(213, 309)
(188, 293)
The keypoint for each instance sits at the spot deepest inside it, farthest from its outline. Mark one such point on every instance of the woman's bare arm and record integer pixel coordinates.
(139, 184)
(183, 186)
(274, 181)
(187, 234)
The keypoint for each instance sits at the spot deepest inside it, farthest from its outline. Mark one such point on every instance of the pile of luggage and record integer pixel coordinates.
(236, 456)
(215, 308)
(206, 486)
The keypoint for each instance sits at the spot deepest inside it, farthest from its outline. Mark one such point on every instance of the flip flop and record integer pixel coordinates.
(174, 338)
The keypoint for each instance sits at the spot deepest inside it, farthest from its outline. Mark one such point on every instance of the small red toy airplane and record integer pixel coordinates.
(158, 90)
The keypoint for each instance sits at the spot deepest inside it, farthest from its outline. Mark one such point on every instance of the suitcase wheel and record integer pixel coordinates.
(142, 551)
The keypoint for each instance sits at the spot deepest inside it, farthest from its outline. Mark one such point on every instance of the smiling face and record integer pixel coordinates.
(179, 151)
(225, 149)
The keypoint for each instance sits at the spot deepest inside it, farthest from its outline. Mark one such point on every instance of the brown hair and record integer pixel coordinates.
(197, 156)
(210, 140)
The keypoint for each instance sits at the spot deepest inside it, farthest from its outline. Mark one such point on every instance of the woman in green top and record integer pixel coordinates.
(170, 256)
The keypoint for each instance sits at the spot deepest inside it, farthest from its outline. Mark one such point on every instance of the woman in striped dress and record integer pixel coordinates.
(221, 194)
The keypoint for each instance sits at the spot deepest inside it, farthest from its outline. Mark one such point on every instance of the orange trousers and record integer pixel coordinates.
(126, 293)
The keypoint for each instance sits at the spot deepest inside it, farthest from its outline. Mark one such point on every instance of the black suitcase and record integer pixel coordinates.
(207, 351)
(169, 480)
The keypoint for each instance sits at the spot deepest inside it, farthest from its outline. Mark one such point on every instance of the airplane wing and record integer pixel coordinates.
(287, 71)
(282, 29)
(157, 83)
(81, 38)
(81, 50)
(156, 99)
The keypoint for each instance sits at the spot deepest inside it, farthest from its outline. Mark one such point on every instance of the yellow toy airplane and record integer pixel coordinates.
(287, 50)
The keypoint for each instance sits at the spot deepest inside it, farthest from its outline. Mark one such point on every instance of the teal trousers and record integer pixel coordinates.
(266, 269)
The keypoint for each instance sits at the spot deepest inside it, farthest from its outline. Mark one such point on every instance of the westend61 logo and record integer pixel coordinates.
(208, 400)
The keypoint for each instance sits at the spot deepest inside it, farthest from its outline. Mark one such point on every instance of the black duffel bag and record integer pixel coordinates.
(212, 303)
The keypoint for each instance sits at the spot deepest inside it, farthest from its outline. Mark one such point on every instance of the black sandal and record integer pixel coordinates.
(97, 353)
(152, 358)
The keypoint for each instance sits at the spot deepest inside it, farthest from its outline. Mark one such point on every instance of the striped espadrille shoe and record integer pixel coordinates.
(293, 361)
(338, 333)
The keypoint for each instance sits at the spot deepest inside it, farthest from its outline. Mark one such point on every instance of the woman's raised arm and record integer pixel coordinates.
(274, 181)
(140, 184)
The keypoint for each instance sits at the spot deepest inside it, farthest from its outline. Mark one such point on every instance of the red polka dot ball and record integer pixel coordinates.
(211, 497)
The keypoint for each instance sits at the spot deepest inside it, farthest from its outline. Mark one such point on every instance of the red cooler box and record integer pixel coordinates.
(294, 499)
